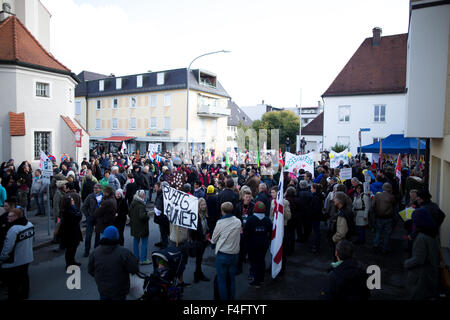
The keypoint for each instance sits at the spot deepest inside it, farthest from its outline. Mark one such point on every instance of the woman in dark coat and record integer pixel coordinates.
(70, 231)
(121, 216)
(106, 213)
(130, 188)
(200, 239)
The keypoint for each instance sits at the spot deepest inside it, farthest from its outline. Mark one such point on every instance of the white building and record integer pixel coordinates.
(37, 99)
(369, 92)
(237, 116)
(427, 100)
(313, 134)
(34, 15)
(257, 112)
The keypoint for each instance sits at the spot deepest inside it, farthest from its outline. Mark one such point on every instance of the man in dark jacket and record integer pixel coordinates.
(213, 208)
(88, 185)
(146, 182)
(257, 235)
(111, 266)
(90, 204)
(263, 196)
(348, 278)
(105, 214)
(160, 218)
(199, 190)
(304, 225)
(228, 195)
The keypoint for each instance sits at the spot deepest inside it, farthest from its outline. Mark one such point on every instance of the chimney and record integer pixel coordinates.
(262, 102)
(376, 36)
(5, 11)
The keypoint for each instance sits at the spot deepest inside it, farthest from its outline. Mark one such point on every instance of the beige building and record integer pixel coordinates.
(428, 96)
(150, 108)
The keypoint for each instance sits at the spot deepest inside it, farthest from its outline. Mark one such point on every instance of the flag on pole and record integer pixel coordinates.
(257, 157)
(380, 158)
(123, 147)
(280, 159)
(227, 160)
(398, 169)
(276, 246)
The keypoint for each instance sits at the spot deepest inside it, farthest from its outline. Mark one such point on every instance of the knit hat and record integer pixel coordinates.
(210, 189)
(260, 207)
(111, 233)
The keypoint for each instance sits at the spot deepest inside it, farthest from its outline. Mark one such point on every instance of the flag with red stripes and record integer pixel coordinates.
(398, 169)
(276, 246)
(280, 158)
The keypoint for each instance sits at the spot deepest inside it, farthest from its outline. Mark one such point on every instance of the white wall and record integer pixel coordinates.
(362, 116)
(427, 71)
(8, 102)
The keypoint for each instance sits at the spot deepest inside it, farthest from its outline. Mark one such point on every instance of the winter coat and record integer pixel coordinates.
(348, 281)
(56, 203)
(317, 206)
(376, 187)
(87, 188)
(423, 268)
(383, 205)
(305, 199)
(228, 195)
(145, 181)
(105, 214)
(111, 266)
(138, 218)
(122, 212)
(130, 191)
(214, 212)
(342, 228)
(361, 207)
(113, 182)
(200, 193)
(38, 185)
(70, 231)
(258, 232)
(89, 206)
(241, 208)
(18, 246)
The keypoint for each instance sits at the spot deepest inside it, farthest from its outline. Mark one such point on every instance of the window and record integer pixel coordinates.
(118, 83)
(42, 90)
(167, 123)
(153, 123)
(133, 123)
(114, 123)
(133, 101)
(77, 107)
(98, 124)
(160, 78)
(99, 104)
(344, 114)
(167, 100)
(139, 81)
(115, 103)
(41, 142)
(153, 99)
(101, 85)
(379, 113)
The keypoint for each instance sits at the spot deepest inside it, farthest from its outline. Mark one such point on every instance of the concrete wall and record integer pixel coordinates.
(427, 71)
(362, 116)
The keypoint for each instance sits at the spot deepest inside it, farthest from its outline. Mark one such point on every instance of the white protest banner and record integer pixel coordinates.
(345, 174)
(303, 161)
(336, 158)
(180, 207)
(46, 167)
(152, 148)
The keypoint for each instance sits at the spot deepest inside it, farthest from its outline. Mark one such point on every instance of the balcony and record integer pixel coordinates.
(212, 111)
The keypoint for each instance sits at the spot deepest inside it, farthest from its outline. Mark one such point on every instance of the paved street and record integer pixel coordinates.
(304, 277)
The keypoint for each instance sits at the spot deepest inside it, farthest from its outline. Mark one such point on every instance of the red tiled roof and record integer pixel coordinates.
(315, 127)
(16, 124)
(70, 124)
(373, 69)
(82, 127)
(17, 44)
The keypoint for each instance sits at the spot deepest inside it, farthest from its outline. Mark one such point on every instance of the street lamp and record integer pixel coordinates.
(187, 92)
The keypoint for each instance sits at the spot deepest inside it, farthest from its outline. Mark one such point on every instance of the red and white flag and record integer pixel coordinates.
(398, 168)
(123, 147)
(280, 158)
(276, 246)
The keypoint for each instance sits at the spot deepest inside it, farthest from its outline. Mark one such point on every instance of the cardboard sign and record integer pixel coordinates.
(345, 174)
(46, 167)
(303, 161)
(78, 135)
(181, 208)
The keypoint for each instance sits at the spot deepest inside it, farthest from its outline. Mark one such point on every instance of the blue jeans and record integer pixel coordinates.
(383, 233)
(136, 241)
(226, 264)
(89, 232)
(39, 197)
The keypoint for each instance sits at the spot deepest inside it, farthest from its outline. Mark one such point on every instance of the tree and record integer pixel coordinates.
(339, 147)
(286, 121)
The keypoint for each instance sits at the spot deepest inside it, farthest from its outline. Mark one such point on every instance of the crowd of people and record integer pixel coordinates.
(236, 205)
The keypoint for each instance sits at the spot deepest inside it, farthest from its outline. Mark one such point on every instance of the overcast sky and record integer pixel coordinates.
(283, 52)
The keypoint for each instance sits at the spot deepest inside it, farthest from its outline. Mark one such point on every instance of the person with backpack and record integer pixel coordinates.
(383, 206)
(345, 224)
(361, 206)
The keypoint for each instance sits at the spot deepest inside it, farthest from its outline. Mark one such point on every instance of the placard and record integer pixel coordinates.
(337, 157)
(297, 162)
(181, 208)
(345, 174)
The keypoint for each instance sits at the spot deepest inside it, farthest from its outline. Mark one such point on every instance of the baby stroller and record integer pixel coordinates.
(162, 284)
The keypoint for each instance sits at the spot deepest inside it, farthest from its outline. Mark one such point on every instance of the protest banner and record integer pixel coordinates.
(335, 160)
(153, 148)
(345, 174)
(297, 162)
(180, 207)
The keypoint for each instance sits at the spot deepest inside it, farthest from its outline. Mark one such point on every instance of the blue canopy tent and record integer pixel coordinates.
(395, 143)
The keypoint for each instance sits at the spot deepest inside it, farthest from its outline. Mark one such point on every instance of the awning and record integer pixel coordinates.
(117, 139)
(395, 143)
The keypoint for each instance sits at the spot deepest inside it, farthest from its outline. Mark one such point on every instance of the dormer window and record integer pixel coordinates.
(207, 79)
(139, 81)
(118, 83)
(101, 85)
(160, 78)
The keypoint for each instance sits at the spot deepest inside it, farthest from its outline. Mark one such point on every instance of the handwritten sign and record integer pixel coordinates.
(297, 162)
(346, 174)
(336, 160)
(180, 207)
